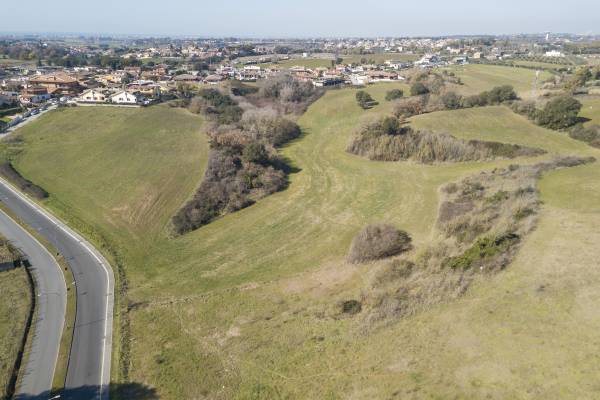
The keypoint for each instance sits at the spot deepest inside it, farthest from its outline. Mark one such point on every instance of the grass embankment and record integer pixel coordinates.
(15, 308)
(245, 306)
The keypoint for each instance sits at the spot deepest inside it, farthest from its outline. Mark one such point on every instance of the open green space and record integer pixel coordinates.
(590, 109)
(542, 64)
(245, 306)
(480, 77)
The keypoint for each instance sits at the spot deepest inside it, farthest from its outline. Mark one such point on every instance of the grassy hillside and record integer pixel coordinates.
(245, 306)
(479, 77)
(14, 310)
(591, 109)
(126, 169)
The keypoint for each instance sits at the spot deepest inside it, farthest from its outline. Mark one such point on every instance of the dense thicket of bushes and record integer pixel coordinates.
(589, 135)
(559, 113)
(448, 100)
(243, 165)
(285, 93)
(216, 105)
(386, 139)
(231, 182)
(364, 100)
(394, 94)
(378, 241)
(9, 172)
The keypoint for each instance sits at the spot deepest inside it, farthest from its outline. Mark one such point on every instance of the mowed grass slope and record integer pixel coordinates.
(125, 170)
(245, 306)
(480, 77)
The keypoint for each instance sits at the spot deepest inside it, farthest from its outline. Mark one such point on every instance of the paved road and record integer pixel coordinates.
(51, 302)
(88, 374)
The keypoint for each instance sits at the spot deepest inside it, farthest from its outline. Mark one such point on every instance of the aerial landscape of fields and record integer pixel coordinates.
(332, 216)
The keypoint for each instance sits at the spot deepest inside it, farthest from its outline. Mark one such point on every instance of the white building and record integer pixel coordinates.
(92, 96)
(124, 97)
(359, 80)
(554, 53)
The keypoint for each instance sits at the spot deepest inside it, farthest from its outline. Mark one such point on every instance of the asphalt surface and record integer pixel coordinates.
(88, 373)
(51, 303)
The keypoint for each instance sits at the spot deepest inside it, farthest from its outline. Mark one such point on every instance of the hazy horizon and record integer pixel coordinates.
(270, 19)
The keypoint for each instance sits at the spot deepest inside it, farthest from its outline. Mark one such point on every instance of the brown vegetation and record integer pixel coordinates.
(481, 224)
(244, 132)
(386, 140)
(378, 241)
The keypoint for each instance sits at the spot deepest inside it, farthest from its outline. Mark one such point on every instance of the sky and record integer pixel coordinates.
(300, 18)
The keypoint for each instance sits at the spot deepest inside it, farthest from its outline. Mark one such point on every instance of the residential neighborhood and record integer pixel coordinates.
(141, 72)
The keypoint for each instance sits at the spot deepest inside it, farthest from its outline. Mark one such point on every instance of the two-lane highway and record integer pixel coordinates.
(88, 372)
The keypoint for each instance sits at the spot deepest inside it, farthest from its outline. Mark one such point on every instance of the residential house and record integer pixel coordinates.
(126, 98)
(8, 97)
(213, 79)
(186, 78)
(58, 84)
(34, 95)
(92, 96)
(359, 80)
(382, 76)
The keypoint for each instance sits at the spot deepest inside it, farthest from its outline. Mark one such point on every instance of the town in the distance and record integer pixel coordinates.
(38, 72)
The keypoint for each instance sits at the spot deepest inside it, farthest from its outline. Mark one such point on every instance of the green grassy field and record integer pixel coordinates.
(542, 64)
(591, 109)
(243, 307)
(480, 77)
(10, 62)
(14, 309)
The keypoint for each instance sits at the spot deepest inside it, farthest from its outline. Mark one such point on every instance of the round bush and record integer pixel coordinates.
(378, 241)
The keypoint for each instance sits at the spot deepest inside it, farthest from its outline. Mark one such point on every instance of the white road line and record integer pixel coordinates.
(54, 262)
(60, 225)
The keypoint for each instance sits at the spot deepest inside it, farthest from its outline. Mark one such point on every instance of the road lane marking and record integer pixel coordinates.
(60, 225)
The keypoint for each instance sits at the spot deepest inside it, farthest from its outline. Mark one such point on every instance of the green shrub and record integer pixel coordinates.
(255, 153)
(483, 249)
(364, 100)
(394, 94)
(559, 113)
(590, 135)
(451, 101)
(418, 88)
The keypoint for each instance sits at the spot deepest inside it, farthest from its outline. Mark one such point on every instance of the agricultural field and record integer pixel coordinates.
(480, 77)
(14, 310)
(246, 307)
